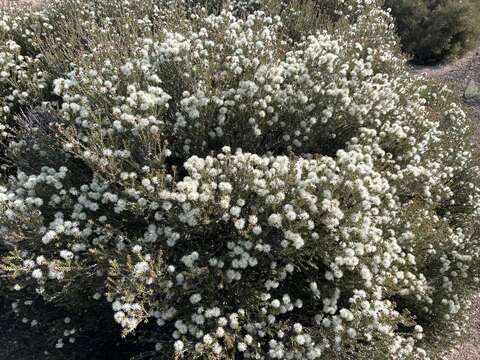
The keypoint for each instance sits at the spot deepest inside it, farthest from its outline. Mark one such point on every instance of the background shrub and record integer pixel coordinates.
(435, 30)
(229, 184)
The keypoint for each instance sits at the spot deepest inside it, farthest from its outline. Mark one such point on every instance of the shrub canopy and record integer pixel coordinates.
(264, 183)
(436, 30)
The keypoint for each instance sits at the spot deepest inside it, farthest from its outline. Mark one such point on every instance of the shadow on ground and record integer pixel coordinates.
(20, 341)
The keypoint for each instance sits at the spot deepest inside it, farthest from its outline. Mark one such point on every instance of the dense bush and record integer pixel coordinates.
(234, 183)
(436, 30)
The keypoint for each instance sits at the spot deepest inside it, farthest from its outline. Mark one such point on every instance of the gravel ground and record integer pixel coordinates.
(470, 349)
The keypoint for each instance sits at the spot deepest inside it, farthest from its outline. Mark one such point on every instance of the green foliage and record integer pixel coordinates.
(436, 30)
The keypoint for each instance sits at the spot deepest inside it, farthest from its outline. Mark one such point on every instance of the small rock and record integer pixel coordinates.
(472, 91)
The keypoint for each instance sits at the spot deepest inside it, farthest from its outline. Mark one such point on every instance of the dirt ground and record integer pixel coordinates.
(470, 350)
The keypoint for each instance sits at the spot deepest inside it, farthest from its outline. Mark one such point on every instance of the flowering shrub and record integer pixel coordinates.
(436, 30)
(247, 189)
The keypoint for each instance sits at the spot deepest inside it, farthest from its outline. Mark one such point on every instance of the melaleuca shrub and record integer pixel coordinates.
(231, 191)
(436, 30)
